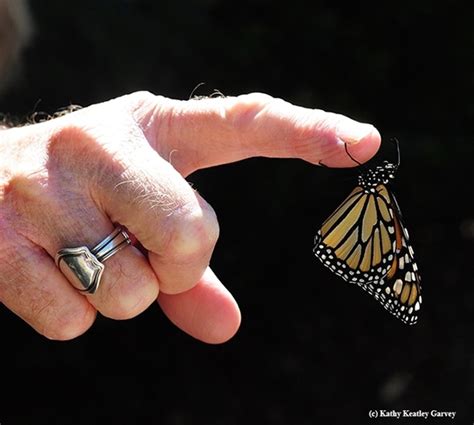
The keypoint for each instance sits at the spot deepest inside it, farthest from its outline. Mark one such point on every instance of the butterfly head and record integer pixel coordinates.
(382, 174)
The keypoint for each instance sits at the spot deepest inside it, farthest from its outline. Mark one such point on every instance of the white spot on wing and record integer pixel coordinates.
(401, 263)
(397, 286)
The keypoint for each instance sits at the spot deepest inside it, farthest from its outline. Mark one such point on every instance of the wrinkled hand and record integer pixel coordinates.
(68, 181)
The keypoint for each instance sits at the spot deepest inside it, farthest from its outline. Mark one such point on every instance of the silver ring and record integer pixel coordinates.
(83, 267)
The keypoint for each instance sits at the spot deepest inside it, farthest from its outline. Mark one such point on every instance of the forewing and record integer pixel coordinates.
(355, 241)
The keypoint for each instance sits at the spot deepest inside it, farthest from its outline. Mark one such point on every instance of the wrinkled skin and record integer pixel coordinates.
(68, 181)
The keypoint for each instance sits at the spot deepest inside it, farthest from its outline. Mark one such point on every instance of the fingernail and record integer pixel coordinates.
(352, 132)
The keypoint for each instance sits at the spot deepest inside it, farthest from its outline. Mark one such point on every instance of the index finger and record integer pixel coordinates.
(202, 133)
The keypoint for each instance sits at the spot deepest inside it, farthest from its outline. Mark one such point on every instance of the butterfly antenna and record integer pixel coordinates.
(350, 156)
(395, 140)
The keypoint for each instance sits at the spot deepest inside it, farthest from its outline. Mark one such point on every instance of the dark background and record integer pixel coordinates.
(311, 349)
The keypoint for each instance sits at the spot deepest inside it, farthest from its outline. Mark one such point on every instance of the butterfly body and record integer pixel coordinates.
(366, 243)
(381, 174)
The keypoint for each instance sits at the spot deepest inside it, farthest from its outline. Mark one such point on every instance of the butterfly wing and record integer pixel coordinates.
(355, 241)
(400, 289)
(365, 242)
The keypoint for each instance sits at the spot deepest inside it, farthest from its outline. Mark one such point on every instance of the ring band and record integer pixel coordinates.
(83, 267)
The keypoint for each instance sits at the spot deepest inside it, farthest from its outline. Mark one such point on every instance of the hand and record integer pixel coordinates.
(64, 182)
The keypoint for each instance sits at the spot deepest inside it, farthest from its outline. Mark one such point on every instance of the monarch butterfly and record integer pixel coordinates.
(366, 243)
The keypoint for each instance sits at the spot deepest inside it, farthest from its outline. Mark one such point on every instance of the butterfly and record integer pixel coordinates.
(366, 243)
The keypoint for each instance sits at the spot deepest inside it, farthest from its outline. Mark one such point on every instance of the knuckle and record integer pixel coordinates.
(244, 112)
(142, 105)
(119, 308)
(127, 290)
(139, 97)
(66, 142)
(79, 158)
(66, 324)
(194, 233)
(256, 98)
(124, 303)
(21, 289)
(73, 149)
(118, 312)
